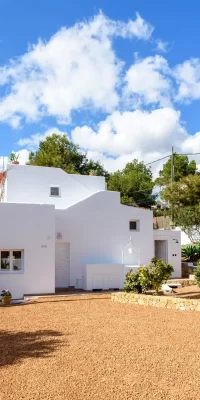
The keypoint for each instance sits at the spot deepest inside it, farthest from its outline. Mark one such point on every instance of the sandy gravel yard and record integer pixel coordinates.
(86, 347)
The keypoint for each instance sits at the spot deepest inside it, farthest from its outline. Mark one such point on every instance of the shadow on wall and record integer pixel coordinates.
(16, 346)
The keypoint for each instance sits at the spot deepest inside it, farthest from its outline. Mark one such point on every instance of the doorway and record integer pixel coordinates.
(62, 265)
(161, 249)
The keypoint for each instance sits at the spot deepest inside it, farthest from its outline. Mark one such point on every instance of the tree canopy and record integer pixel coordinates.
(182, 167)
(59, 152)
(134, 183)
(184, 196)
(185, 192)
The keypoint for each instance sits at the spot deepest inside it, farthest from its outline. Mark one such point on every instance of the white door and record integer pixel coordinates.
(161, 249)
(62, 265)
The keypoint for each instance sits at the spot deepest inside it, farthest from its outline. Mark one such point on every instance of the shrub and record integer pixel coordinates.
(191, 252)
(145, 278)
(132, 283)
(150, 277)
(159, 272)
(197, 274)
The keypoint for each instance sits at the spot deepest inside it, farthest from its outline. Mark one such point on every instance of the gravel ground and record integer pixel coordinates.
(86, 347)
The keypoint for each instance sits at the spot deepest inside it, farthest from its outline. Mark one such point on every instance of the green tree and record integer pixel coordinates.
(188, 218)
(134, 183)
(182, 167)
(184, 197)
(185, 192)
(59, 152)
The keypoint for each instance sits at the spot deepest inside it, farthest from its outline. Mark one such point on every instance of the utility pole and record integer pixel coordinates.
(172, 181)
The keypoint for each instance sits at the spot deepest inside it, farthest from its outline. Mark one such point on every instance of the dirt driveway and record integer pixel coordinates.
(86, 347)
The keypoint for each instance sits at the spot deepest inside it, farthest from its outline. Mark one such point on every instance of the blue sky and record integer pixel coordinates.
(124, 83)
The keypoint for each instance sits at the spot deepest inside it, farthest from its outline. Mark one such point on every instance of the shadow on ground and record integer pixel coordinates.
(16, 346)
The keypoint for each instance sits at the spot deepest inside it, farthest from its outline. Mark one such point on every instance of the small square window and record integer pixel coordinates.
(55, 191)
(134, 225)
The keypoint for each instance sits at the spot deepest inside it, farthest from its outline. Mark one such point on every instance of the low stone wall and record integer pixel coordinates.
(156, 301)
(183, 282)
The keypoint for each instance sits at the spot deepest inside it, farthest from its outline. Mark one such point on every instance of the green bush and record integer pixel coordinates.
(159, 272)
(145, 278)
(132, 283)
(197, 274)
(150, 277)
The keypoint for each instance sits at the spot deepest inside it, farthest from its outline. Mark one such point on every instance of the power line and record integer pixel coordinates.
(169, 155)
(159, 159)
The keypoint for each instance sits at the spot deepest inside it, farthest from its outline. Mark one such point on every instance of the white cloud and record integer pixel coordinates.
(77, 68)
(124, 136)
(142, 135)
(32, 142)
(148, 81)
(192, 144)
(23, 156)
(162, 46)
(187, 77)
(121, 137)
(130, 132)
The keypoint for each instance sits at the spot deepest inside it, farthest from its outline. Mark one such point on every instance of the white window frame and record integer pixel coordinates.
(11, 270)
(53, 195)
(137, 225)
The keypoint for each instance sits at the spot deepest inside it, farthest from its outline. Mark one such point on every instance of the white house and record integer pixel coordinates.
(60, 230)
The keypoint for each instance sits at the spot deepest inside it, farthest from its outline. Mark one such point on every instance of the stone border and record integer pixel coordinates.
(183, 282)
(176, 303)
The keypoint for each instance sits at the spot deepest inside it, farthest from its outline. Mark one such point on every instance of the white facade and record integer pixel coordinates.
(97, 229)
(76, 238)
(169, 246)
(31, 229)
(26, 184)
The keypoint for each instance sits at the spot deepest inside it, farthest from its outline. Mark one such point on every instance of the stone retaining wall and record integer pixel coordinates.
(183, 282)
(156, 301)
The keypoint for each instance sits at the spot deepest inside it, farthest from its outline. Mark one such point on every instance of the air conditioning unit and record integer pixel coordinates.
(59, 235)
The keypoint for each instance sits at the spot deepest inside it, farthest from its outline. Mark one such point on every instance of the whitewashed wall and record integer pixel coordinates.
(104, 276)
(31, 228)
(192, 237)
(173, 248)
(97, 229)
(27, 184)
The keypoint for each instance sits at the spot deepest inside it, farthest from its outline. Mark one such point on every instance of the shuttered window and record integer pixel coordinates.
(54, 191)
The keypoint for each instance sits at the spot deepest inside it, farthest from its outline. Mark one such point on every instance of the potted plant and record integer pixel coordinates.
(14, 158)
(6, 297)
(92, 172)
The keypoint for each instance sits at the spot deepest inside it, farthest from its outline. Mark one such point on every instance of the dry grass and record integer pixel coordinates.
(85, 347)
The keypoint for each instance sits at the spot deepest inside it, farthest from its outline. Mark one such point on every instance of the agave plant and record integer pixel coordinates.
(191, 252)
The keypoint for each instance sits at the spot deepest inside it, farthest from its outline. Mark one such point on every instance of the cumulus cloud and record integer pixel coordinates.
(192, 143)
(187, 77)
(128, 135)
(77, 68)
(123, 136)
(32, 142)
(148, 81)
(127, 132)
